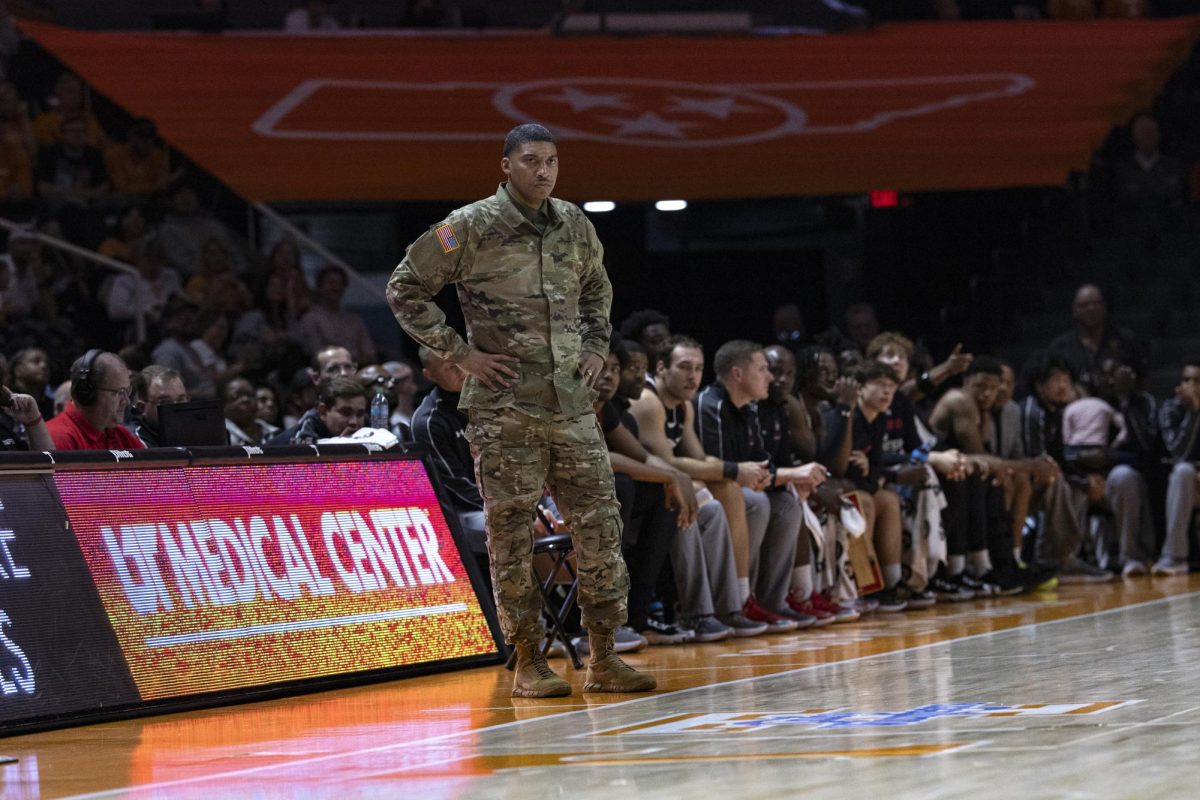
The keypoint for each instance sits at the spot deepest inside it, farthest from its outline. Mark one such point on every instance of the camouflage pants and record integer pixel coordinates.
(515, 456)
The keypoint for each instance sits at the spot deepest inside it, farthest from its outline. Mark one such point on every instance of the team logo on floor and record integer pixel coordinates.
(843, 718)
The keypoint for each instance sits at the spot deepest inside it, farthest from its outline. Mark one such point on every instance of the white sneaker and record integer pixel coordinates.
(1133, 569)
(1168, 567)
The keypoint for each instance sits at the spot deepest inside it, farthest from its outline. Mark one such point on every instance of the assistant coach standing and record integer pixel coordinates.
(536, 299)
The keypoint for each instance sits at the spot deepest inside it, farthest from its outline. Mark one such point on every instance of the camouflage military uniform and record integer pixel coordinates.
(534, 287)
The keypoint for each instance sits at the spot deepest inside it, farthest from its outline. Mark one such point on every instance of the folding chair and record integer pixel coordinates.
(554, 553)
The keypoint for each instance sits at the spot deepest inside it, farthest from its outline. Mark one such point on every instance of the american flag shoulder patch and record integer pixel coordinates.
(447, 237)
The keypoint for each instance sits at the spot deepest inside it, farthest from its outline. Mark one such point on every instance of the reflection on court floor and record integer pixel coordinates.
(1092, 692)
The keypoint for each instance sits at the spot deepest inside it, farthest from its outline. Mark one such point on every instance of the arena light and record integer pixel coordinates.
(670, 205)
(599, 206)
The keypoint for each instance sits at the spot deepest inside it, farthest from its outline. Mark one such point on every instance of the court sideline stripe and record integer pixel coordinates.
(149, 787)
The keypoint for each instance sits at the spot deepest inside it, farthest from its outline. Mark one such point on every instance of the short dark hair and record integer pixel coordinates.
(874, 371)
(673, 341)
(139, 383)
(808, 363)
(734, 354)
(331, 268)
(526, 133)
(337, 388)
(1041, 365)
(617, 347)
(984, 365)
(636, 323)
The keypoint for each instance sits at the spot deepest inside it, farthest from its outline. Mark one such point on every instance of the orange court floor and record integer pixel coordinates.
(1084, 692)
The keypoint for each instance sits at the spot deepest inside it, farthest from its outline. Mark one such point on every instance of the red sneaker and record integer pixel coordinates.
(840, 613)
(775, 623)
(808, 606)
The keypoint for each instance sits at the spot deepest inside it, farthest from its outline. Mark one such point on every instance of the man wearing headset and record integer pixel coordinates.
(94, 418)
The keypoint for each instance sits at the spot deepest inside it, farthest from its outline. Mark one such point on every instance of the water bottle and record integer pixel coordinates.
(379, 411)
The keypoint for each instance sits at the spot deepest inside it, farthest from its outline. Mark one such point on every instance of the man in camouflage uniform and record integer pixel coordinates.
(533, 290)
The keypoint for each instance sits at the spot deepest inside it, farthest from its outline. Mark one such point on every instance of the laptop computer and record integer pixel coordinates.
(195, 423)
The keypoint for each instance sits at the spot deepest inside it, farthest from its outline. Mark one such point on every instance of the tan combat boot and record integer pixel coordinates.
(606, 672)
(532, 676)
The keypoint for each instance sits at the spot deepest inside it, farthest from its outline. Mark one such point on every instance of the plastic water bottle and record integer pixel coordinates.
(379, 411)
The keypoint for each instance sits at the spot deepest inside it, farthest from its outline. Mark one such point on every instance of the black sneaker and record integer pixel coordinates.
(1006, 581)
(981, 589)
(947, 591)
(889, 602)
(915, 599)
(657, 632)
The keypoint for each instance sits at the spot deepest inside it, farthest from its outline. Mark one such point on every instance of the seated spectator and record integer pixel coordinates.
(140, 168)
(1063, 503)
(341, 410)
(15, 128)
(862, 325)
(72, 179)
(268, 405)
(312, 16)
(94, 418)
(67, 104)
(152, 387)
(328, 323)
(1179, 420)
(180, 327)
(406, 391)
(654, 501)
(649, 328)
(150, 289)
(301, 395)
(16, 180)
(126, 236)
(209, 346)
(245, 427)
(24, 289)
(1093, 339)
(788, 324)
(29, 372)
(283, 262)
(215, 262)
(852, 449)
(274, 319)
(22, 424)
(62, 396)
(186, 229)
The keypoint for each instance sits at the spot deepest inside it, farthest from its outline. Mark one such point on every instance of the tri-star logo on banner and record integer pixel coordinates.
(638, 112)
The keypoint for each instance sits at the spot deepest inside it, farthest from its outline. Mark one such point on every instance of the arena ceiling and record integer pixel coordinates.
(913, 107)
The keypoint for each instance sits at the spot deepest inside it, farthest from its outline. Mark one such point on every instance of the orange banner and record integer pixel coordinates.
(910, 107)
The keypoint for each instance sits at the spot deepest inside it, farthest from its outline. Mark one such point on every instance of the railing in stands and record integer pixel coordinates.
(139, 319)
(307, 241)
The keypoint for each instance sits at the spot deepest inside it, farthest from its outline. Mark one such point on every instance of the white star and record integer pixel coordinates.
(717, 107)
(649, 122)
(580, 100)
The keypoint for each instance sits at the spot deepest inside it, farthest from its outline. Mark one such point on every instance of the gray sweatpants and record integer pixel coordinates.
(1132, 520)
(774, 520)
(705, 572)
(1181, 502)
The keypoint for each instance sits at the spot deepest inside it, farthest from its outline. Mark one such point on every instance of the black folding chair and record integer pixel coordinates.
(555, 551)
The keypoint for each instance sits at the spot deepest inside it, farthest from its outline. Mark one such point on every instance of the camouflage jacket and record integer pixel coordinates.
(543, 297)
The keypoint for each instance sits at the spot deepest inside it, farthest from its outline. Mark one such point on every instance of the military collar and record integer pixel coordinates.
(513, 215)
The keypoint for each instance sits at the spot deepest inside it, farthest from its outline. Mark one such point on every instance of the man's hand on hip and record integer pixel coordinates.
(490, 369)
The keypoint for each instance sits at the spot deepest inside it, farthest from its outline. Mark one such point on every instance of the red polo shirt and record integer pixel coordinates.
(71, 430)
